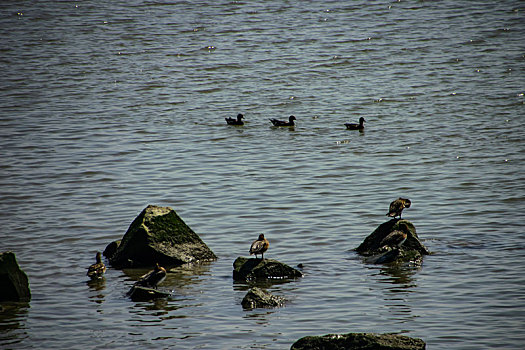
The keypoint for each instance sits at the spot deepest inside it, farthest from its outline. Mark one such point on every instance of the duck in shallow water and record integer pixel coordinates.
(233, 121)
(152, 278)
(397, 206)
(353, 126)
(98, 269)
(290, 121)
(259, 246)
(395, 239)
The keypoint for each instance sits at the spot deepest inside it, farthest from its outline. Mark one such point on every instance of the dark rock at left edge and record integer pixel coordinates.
(14, 284)
(158, 235)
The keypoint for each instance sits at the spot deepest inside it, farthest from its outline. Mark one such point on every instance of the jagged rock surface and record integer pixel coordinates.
(411, 251)
(359, 341)
(248, 269)
(258, 298)
(158, 234)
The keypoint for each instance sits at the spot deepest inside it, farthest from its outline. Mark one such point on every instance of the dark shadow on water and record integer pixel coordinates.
(96, 288)
(12, 323)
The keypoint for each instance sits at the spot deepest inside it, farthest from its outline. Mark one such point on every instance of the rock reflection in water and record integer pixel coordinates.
(12, 319)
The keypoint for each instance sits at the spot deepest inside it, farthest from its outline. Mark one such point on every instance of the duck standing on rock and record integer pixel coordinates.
(98, 269)
(290, 121)
(152, 278)
(233, 121)
(397, 206)
(259, 246)
(353, 126)
(395, 239)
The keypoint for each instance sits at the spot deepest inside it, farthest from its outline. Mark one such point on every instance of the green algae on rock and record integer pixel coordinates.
(14, 284)
(258, 298)
(359, 341)
(158, 235)
(248, 269)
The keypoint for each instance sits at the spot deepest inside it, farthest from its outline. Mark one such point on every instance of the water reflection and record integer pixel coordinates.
(401, 276)
(12, 323)
(397, 283)
(97, 286)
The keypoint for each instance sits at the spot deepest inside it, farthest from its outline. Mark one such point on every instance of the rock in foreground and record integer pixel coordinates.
(14, 285)
(412, 249)
(248, 269)
(256, 298)
(359, 341)
(158, 234)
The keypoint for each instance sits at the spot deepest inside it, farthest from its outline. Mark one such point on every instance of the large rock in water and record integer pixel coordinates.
(359, 341)
(257, 297)
(411, 251)
(14, 285)
(158, 234)
(249, 269)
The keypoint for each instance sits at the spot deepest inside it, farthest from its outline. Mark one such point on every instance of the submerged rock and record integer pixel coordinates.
(411, 251)
(248, 269)
(256, 298)
(359, 341)
(158, 235)
(139, 293)
(14, 284)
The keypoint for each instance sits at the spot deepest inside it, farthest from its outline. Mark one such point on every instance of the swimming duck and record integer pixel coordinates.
(98, 269)
(353, 126)
(259, 246)
(152, 278)
(233, 121)
(397, 206)
(395, 238)
(290, 122)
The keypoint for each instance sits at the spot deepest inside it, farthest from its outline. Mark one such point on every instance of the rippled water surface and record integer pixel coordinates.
(108, 106)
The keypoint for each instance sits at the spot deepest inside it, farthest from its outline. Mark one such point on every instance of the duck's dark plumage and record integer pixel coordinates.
(290, 121)
(397, 206)
(395, 238)
(233, 121)
(152, 278)
(353, 126)
(98, 269)
(259, 246)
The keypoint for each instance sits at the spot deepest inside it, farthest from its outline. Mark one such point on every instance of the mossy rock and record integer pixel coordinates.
(258, 298)
(359, 341)
(249, 269)
(412, 251)
(158, 234)
(14, 284)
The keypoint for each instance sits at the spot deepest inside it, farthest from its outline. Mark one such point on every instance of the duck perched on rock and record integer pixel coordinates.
(290, 121)
(152, 278)
(396, 238)
(397, 206)
(259, 246)
(354, 126)
(98, 269)
(233, 121)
